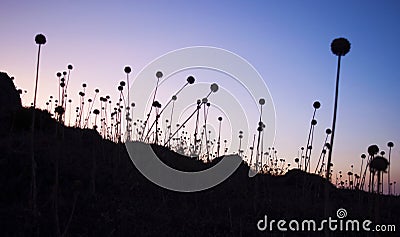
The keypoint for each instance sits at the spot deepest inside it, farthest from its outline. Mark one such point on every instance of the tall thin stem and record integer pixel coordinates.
(37, 78)
(205, 132)
(362, 163)
(333, 122)
(219, 137)
(390, 151)
(328, 165)
(252, 150)
(197, 126)
(33, 165)
(128, 137)
(322, 155)
(259, 135)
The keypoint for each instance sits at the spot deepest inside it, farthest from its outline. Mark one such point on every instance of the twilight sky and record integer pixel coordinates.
(288, 42)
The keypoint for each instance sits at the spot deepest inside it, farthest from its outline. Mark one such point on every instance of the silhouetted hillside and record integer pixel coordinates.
(101, 193)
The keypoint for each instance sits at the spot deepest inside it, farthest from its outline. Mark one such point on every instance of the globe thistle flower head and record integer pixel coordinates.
(190, 80)
(127, 69)
(40, 39)
(340, 46)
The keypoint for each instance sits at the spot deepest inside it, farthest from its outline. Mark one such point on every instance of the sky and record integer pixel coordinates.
(287, 42)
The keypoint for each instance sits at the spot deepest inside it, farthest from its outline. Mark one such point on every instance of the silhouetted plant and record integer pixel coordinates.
(59, 111)
(321, 159)
(390, 145)
(58, 74)
(301, 157)
(157, 106)
(219, 136)
(262, 147)
(69, 117)
(131, 119)
(316, 105)
(378, 164)
(213, 89)
(260, 128)
(96, 112)
(40, 40)
(372, 151)
(81, 106)
(363, 156)
(350, 176)
(240, 143)
(189, 80)
(196, 129)
(252, 150)
(128, 70)
(340, 47)
(174, 98)
(159, 75)
(206, 105)
(90, 107)
(69, 67)
(296, 160)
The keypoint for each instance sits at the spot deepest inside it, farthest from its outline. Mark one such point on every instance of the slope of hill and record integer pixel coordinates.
(101, 193)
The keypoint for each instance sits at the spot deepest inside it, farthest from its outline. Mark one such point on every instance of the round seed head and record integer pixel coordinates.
(214, 87)
(127, 69)
(313, 122)
(190, 79)
(316, 105)
(373, 150)
(340, 46)
(159, 74)
(40, 39)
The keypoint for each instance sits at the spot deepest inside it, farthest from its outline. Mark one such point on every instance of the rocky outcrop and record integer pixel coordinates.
(10, 103)
(9, 96)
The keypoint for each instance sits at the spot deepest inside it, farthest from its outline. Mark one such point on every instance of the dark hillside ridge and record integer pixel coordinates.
(112, 198)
